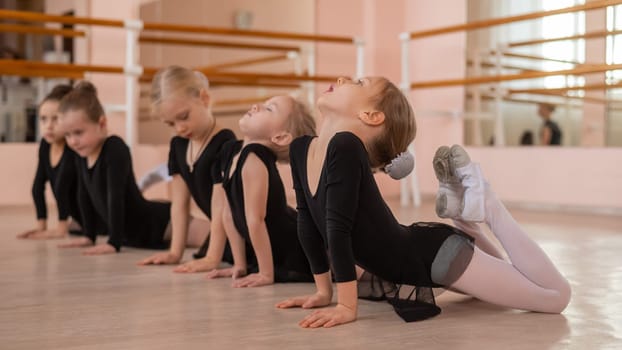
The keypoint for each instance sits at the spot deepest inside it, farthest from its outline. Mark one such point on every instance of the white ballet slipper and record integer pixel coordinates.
(449, 196)
(449, 202)
(443, 168)
(473, 182)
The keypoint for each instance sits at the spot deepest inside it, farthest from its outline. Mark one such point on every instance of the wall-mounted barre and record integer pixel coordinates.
(135, 74)
(25, 29)
(590, 35)
(213, 43)
(597, 68)
(592, 5)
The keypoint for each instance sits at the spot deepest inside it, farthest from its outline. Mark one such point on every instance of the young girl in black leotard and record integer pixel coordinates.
(257, 211)
(180, 98)
(107, 188)
(366, 124)
(56, 165)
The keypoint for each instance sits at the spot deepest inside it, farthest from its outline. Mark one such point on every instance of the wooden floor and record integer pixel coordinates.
(57, 299)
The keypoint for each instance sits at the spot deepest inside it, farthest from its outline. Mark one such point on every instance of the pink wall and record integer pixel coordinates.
(435, 58)
(378, 23)
(594, 117)
(569, 177)
(20, 160)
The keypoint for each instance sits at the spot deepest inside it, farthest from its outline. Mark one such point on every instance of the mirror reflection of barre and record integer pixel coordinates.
(520, 58)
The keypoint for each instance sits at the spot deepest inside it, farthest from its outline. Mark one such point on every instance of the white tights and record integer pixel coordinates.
(529, 281)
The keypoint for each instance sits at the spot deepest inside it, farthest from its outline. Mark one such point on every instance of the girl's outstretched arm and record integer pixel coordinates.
(89, 219)
(238, 247)
(217, 239)
(38, 196)
(119, 166)
(346, 159)
(255, 185)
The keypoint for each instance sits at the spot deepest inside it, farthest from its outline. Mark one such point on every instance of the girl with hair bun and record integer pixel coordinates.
(367, 124)
(107, 188)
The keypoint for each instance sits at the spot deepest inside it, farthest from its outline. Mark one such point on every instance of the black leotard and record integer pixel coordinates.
(290, 262)
(206, 170)
(63, 181)
(108, 190)
(348, 216)
(201, 180)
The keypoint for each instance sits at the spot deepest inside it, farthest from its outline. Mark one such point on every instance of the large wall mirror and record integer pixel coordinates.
(18, 95)
(573, 109)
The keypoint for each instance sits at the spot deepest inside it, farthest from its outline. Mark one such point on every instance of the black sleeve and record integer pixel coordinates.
(346, 158)
(308, 234)
(89, 216)
(173, 164)
(65, 180)
(38, 185)
(118, 167)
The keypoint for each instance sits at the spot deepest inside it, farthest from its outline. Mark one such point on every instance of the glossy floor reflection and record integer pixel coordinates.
(58, 299)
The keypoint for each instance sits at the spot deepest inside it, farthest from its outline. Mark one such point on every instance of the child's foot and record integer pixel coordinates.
(449, 196)
(473, 182)
(443, 168)
(448, 202)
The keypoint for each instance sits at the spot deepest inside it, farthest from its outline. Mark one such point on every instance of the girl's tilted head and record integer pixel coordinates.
(82, 119)
(180, 99)
(399, 124)
(383, 110)
(276, 123)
